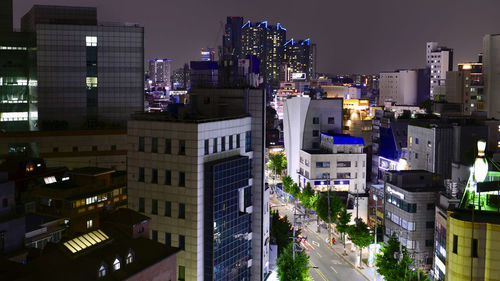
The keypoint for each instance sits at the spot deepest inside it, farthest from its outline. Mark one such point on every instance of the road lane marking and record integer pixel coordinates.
(319, 255)
(333, 269)
(318, 271)
(315, 243)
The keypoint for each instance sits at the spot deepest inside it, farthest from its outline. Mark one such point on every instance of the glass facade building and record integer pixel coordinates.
(227, 222)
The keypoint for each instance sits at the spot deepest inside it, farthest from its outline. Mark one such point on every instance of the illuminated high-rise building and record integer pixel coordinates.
(207, 54)
(265, 42)
(440, 61)
(159, 72)
(299, 58)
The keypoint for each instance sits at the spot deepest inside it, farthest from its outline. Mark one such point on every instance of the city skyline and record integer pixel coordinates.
(370, 45)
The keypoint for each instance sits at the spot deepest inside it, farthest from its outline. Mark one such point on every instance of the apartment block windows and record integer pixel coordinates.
(168, 146)
(230, 142)
(168, 177)
(141, 174)
(322, 164)
(248, 141)
(331, 120)
(154, 207)
(141, 204)
(238, 141)
(154, 175)
(474, 248)
(214, 148)
(91, 41)
(90, 224)
(315, 120)
(182, 242)
(154, 235)
(182, 179)
(91, 80)
(168, 239)
(182, 211)
(207, 147)
(315, 133)
(154, 145)
(182, 273)
(141, 144)
(455, 244)
(223, 143)
(168, 209)
(182, 147)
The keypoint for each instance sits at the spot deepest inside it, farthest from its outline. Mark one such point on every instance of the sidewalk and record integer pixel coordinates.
(338, 248)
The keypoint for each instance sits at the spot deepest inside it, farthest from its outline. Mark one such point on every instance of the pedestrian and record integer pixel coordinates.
(333, 241)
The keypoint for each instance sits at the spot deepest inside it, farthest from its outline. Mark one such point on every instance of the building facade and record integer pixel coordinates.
(160, 73)
(439, 60)
(491, 64)
(298, 56)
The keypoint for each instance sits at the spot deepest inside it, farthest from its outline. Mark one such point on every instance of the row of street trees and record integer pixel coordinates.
(331, 209)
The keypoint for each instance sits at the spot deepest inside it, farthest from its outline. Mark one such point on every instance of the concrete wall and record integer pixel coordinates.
(491, 72)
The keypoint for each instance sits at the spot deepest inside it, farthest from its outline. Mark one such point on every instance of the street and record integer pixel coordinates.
(330, 265)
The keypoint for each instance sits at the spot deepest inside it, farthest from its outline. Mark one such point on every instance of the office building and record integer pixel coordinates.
(160, 72)
(304, 119)
(204, 74)
(179, 167)
(404, 87)
(298, 56)
(410, 198)
(491, 65)
(18, 79)
(231, 40)
(472, 233)
(89, 74)
(358, 119)
(339, 165)
(439, 60)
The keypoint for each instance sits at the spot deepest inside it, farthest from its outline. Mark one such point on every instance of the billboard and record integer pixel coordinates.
(298, 76)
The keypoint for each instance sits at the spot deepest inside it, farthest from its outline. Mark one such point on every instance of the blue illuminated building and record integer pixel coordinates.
(298, 56)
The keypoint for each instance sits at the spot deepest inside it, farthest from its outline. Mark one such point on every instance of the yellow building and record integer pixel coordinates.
(473, 230)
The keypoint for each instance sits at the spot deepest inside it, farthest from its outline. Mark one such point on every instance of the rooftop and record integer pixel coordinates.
(125, 216)
(91, 171)
(186, 118)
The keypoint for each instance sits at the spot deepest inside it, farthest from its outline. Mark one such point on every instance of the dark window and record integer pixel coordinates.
(168, 208)
(182, 147)
(430, 206)
(455, 244)
(429, 243)
(231, 142)
(315, 120)
(113, 147)
(182, 242)
(154, 145)
(223, 143)
(215, 145)
(141, 143)
(238, 141)
(182, 273)
(416, 140)
(141, 174)
(168, 177)
(474, 248)
(168, 146)
(94, 148)
(248, 141)
(55, 149)
(315, 133)
(5, 202)
(331, 120)
(168, 239)
(154, 175)
(182, 179)
(75, 148)
(182, 211)
(141, 205)
(207, 148)
(416, 155)
(154, 235)
(154, 207)
(429, 224)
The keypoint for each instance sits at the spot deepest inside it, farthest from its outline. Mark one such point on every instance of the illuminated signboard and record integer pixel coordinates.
(178, 93)
(395, 192)
(387, 164)
(298, 76)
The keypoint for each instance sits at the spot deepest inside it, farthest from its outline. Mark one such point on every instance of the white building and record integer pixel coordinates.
(339, 165)
(439, 60)
(491, 74)
(178, 169)
(399, 86)
(303, 121)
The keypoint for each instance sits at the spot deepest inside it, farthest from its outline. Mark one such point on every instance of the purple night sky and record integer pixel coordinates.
(355, 36)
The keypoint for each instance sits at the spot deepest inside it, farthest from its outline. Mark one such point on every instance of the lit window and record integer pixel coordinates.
(49, 180)
(498, 145)
(116, 264)
(89, 224)
(130, 258)
(91, 82)
(91, 41)
(102, 271)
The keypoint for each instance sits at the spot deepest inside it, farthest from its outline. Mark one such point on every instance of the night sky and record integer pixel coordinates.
(352, 36)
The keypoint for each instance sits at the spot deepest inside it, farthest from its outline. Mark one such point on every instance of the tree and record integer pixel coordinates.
(277, 163)
(395, 266)
(295, 191)
(322, 206)
(287, 183)
(342, 223)
(281, 230)
(307, 197)
(360, 236)
(290, 269)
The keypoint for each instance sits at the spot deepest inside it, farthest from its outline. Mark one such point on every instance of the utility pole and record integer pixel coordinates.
(329, 219)
(376, 217)
(293, 232)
